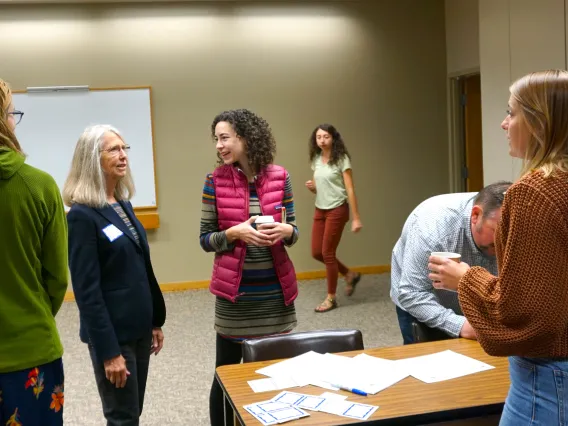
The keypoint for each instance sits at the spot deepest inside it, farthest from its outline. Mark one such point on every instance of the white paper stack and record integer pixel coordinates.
(272, 384)
(363, 372)
(366, 373)
(445, 365)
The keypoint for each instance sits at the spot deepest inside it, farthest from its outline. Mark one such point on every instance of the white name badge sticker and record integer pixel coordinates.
(112, 232)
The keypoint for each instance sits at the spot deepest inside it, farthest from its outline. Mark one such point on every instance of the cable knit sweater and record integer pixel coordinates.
(524, 311)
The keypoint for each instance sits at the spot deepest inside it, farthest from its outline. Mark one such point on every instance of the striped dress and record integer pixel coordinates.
(260, 311)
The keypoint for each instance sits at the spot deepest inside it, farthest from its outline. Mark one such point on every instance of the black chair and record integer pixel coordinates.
(423, 333)
(294, 344)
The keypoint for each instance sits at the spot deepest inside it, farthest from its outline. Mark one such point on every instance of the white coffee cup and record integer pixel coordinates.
(456, 257)
(264, 219)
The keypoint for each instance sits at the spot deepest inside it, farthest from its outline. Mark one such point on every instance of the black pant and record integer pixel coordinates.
(228, 352)
(123, 406)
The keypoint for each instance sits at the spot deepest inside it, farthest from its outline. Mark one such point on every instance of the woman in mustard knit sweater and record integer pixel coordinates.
(33, 282)
(523, 313)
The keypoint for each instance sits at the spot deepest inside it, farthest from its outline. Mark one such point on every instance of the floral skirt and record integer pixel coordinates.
(33, 397)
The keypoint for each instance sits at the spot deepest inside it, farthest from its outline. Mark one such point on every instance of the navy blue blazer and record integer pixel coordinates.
(115, 288)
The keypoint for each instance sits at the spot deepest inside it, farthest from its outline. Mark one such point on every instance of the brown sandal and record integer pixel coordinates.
(350, 287)
(327, 305)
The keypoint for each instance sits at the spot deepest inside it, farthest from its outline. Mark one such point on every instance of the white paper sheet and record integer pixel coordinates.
(323, 385)
(330, 395)
(334, 406)
(441, 366)
(377, 374)
(290, 398)
(311, 402)
(349, 409)
(272, 384)
(360, 411)
(297, 366)
(287, 414)
(366, 373)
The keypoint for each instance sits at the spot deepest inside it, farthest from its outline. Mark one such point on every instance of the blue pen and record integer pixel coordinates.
(353, 390)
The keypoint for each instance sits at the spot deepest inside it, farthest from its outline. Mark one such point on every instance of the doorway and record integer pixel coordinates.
(466, 148)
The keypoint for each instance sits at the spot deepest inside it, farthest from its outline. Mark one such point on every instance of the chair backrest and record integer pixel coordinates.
(423, 333)
(294, 344)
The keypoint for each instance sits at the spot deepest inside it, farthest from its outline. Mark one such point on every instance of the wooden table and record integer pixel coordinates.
(409, 402)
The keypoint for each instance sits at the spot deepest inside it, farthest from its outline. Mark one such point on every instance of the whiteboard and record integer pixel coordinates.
(54, 120)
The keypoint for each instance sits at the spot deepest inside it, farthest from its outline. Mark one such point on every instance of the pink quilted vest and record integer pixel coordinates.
(232, 199)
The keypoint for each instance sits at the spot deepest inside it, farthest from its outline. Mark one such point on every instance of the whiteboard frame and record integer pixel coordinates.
(141, 209)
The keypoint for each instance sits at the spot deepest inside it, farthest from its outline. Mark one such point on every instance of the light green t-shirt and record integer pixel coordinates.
(330, 187)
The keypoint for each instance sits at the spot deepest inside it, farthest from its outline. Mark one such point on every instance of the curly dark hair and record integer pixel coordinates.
(338, 148)
(260, 145)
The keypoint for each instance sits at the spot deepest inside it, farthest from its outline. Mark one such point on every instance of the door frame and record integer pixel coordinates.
(456, 129)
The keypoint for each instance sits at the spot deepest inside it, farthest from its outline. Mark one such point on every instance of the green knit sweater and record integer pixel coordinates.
(33, 264)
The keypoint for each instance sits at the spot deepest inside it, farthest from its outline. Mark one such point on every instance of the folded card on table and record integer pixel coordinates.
(349, 409)
(273, 412)
(309, 402)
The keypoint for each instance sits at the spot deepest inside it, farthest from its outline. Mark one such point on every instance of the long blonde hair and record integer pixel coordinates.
(7, 137)
(86, 183)
(543, 100)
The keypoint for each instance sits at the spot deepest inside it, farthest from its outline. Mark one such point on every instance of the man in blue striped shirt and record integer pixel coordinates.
(461, 223)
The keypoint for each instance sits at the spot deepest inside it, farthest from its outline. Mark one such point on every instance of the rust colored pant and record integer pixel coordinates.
(326, 234)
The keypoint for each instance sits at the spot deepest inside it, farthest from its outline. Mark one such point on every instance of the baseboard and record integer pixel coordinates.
(366, 270)
(302, 276)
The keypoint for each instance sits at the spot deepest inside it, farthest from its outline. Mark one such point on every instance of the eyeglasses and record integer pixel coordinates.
(115, 150)
(18, 115)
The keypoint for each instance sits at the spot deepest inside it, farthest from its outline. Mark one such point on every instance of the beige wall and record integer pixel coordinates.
(462, 58)
(462, 36)
(505, 39)
(516, 37)
(376, 70)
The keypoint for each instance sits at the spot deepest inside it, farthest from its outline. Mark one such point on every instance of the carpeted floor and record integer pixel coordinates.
(181, 375)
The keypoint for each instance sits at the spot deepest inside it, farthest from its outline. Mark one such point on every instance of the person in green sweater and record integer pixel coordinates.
(33, 270)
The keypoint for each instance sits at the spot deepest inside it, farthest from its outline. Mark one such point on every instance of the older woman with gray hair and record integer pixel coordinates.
(120, 304)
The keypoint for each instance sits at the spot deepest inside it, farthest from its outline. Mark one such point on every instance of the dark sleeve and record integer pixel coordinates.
(158, 302)
(85, 277)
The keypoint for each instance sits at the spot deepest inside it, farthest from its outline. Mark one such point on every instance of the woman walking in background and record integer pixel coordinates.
(335, 194)
(33, 277)
(253, 277)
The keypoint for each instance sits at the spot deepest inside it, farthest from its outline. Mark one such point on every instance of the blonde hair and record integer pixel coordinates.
(86, 183)
(543, 100)
(7, 137)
